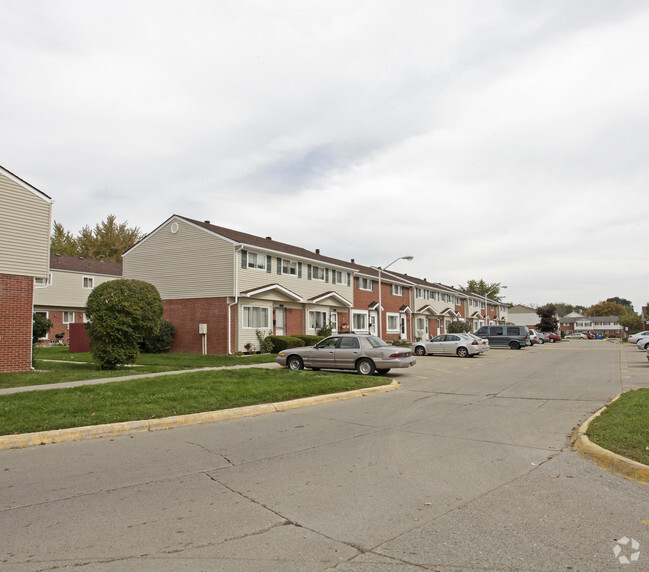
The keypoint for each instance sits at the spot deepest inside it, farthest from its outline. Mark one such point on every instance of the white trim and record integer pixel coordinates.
(257, 291)
(388, 329)
(338, 297)
(268, 318)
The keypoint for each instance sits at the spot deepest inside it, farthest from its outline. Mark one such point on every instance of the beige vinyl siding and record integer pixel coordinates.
(25, 218)
(250, 278)
(191, 263)
(67, 289)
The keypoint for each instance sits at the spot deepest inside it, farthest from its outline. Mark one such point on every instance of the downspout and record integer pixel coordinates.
(236, 297)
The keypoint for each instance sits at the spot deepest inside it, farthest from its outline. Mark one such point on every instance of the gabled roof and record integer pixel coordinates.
(270, 288)
(331, 294)
(16, 179)
(85, 265)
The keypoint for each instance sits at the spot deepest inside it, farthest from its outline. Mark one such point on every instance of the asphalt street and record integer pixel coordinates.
(467, 466)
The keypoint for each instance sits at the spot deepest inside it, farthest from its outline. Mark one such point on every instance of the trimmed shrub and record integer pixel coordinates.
(309, 340)
(160, 342)
(284, 342)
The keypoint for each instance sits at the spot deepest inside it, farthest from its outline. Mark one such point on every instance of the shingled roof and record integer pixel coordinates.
(85, 265)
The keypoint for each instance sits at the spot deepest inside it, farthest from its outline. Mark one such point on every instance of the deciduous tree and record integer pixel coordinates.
(482, 288)
(607, 309)
(548, 318)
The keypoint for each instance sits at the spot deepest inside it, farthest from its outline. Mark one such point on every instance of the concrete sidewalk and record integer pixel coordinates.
(67, 384)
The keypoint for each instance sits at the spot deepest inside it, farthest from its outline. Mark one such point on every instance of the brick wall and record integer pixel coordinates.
(294, 321)
(16, 298)
(185, 315)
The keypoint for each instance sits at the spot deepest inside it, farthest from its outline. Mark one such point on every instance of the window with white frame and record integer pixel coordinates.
(68, 317)
(421, 324)
(43, 282)
(419, 293)
(256, 317)
(365, 283)
(88, 282)
(317, 273)
(359, 321)
(393, 323)
(396, 290)
(317, 319)
(431, 295)
(289, 267)
(339, 277)
(257, 261)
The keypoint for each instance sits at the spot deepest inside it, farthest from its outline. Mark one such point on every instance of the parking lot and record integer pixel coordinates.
(466, 467)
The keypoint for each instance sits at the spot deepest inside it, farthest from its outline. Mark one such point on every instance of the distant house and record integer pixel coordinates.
(62, 296)
(523, 316)
(25, 223)
(608, 326)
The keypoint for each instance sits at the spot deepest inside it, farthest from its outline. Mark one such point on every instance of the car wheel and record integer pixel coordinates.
(420, 351)
(514, 345)
(295, 363)
(541, 342)
(552, 340)
(365, 367)
(382, 371)
(646, 346)
(462, 352)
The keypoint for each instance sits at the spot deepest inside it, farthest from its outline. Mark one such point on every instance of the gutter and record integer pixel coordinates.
(236, 297)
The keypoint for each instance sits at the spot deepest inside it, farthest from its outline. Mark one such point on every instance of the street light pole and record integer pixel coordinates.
(380, 270)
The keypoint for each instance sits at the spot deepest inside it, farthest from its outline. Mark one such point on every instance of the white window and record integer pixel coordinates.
(359, 321)
(393, 323)
(317, 319)
(317, 273)
(255, 317)
(43, 282)
(421, 324)
(289, 267)
(88, 282)
(431, 295)
(365, 284)
(396, 290)
(68, 317)
(256, 261)
(337, 277)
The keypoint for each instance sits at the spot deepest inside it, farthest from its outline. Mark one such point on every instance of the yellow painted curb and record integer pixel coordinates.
(607, 460)
(114, 429)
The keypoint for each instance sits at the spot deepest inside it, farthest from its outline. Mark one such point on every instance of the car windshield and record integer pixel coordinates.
(375, 342)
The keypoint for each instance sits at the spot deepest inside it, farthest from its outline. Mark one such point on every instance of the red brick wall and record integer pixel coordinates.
(390, 303)
(185, 315)
(16, 298)
(294, 321)
(58, 327)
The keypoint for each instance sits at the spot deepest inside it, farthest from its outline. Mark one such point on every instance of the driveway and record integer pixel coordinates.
(466, 467)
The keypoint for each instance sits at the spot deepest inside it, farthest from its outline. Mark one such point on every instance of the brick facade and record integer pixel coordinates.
(187, 314)
(16, 297)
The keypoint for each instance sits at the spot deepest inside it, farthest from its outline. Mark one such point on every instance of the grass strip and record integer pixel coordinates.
(624, 426)
(164, 396)
(79, 366)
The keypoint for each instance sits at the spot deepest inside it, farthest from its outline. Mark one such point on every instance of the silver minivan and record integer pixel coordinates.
(514, 337)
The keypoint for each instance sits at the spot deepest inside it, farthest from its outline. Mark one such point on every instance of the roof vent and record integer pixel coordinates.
(317, 251)
(207, 222)
(269, 238)
(353, 261)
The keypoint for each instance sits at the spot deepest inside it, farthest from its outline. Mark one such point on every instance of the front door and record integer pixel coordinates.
(373, 323)
(404, 327)
(280, 321)
(333, 320)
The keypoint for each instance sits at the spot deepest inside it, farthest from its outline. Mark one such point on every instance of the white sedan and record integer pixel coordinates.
(643, 343)
(633, 338)
(460, 345)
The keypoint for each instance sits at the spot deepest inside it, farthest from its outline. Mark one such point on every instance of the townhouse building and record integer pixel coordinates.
(521, 315)
(607, 326)
(62, 296)
(221, 288)
(25, 222)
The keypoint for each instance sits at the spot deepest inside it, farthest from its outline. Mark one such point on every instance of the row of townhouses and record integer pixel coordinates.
(574, 322)
(219, 286)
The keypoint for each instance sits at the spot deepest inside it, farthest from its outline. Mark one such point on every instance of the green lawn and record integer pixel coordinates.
(54, 372)
(149, 398)
(624, 426)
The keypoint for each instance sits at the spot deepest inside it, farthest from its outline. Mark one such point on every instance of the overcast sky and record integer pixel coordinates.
(503, 140)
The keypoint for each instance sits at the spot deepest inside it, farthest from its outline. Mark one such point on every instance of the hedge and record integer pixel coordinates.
(284, 342)
(309, 340)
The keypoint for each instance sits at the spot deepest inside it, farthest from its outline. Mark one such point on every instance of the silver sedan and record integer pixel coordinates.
(364, 353)
(461, 345)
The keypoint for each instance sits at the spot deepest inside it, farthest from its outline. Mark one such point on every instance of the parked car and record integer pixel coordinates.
(590, 336)
(577, 335)
(364, 353)
(643, 343)
(552, 337)
(483, 342)
(461, 345)
(633, 338)
(534, 338)
(542, 337)
(514, 337)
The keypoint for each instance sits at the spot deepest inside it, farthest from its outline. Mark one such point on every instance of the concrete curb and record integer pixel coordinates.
(607, 460)
(115, 429)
